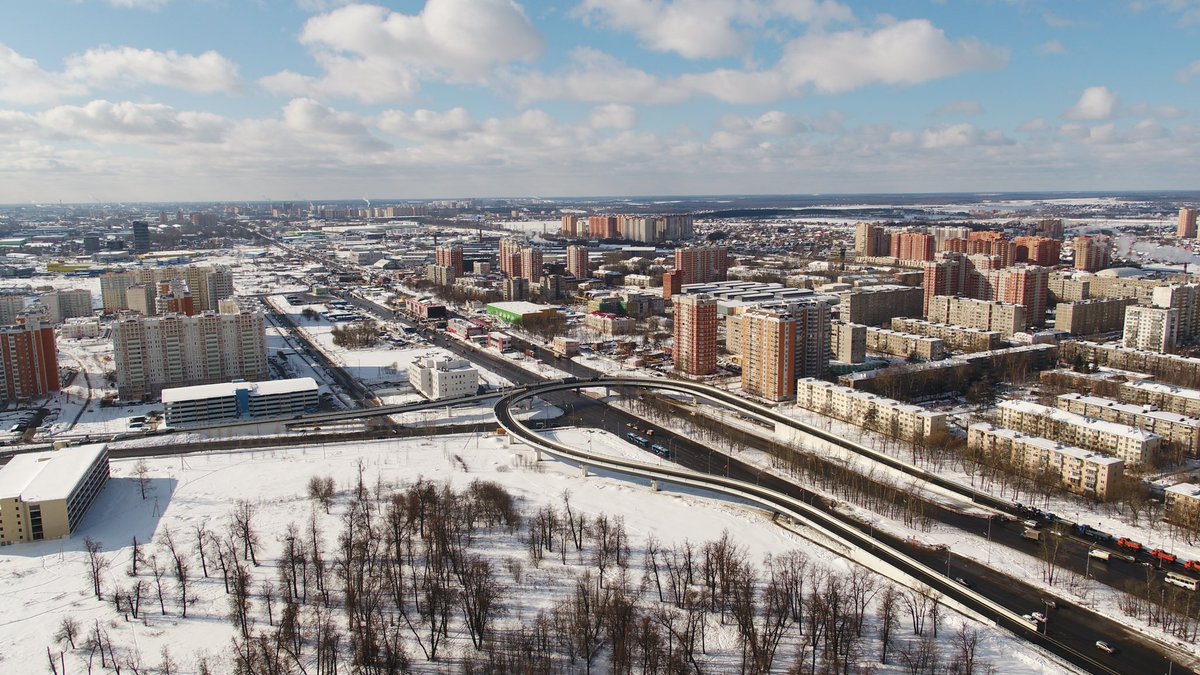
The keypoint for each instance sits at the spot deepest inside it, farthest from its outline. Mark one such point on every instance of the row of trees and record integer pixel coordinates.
(467, 577)
(356, 335)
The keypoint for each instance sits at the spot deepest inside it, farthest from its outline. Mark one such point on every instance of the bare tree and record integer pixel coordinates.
(141, 473)
(885, 612)
(68, 630)
(321, 490)
(180, 568)
(158, 587)
(96, 563)
(242, 521)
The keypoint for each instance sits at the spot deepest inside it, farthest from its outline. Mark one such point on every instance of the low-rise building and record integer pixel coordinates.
(441, 378)
(518, 312)
(1171, 368)
(1081, 471)
(208, 403)
(1180, 431)
(609, 324)
(885, 415)
(907, 345)
(1179, 400)
(1183, 504)
(81, 327)
(45, 495)
(1130, 444)
(955, 338)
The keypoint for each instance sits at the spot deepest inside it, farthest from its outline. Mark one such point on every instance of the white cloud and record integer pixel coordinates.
(138, 4)
(770, 123)
(902, 53)
(423, 124)
(698, 29)
(1034, 125)
(23, 81)
(1096, 103)
(960, 135)
(612, 116)
(206, 73)
(374, 54)
(1191, 72)
(1162, 112)
(106, 122)
(1051, 47)
(959, 108)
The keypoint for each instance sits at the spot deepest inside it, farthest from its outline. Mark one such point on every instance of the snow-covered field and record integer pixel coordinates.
(47, 581)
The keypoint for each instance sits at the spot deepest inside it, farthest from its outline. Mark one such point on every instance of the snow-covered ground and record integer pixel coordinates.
(47, 581)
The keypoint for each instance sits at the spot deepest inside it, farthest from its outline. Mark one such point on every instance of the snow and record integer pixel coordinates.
(47, 581)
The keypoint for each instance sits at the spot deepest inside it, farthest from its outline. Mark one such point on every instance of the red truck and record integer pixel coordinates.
(1162, 555)
(1129, 544)
(1192, 565)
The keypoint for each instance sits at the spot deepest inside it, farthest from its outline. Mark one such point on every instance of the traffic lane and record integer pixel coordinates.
(1079, 629)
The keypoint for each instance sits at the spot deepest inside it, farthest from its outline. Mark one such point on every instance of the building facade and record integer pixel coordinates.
(438, 379)
(884, 415)
(955, 338)
(153, 353)
(702, 264)
(1089, 317)
(67, 304)
(695, 326)
(768, 347)
(208, 403)
(1132, 445)
(577, 262)
(1181, 431)
(28, 362)
(1153, 329)
(45, 495)
(1081, 471)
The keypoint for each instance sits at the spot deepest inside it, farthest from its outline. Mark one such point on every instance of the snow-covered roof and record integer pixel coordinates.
(47, 476)
(1071, 418)
(1160, 388)
(1185, 489)
(1047, 444)
(223, 389)
(519, 307)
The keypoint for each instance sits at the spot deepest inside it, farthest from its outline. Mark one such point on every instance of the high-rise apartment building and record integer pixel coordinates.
(871, 240)
(702, 264)
(1092, 253)
(1089, 317)
(441, 275)
(1187, 223)
(510, 257)
(67, 304)
(179, 351)
(695, 350)
(450, 256)
(569, 223)
(638, 228)
(980, 314)
(913, 246)
(531, 264)
(603, 227)
(141, 236)
(11, 306)
(1153, 329)
(577, 262)
(768, 354)
(943, 232)
(1022, 285)
(174, 297)
(1182, 297)
(813, 328)
(1037, 250)
(28, 362)
(1049, 227)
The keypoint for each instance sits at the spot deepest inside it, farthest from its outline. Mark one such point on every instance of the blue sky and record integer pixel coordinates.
(146, 100)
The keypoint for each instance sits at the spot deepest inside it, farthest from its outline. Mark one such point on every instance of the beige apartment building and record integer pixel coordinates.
(1181, 431)
(1082, 471)
(768, 347)
(1088, 317)
(1132, 445)
(1066, 287)
(848, 342)
(152, 353)
(888, 416)
(45, 495)
(907, 345)
(1182, 503)
(1166, 397)
(67, 304)
(695, 327)
(877, 305)
(956, 338)
(1003, 318)
(1154, 329)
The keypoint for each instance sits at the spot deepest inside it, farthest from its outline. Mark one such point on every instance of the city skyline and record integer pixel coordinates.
(109, 100)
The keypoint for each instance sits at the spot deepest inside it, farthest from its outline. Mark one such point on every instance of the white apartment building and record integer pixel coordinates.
(153, 353)
(1082, 471)
(1182, 503)
(958, 338)
(1153, 329)
(1162, 396)
(900, 420)
(1001, 317)
(207, 403)
(1180, 430)
(10, 307)
(81, 327)
(907, 345)
(440, 378)
(1131, 444)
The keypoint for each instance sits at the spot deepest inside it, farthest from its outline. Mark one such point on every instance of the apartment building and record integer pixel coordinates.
(1065, 287)
(449, 256)
(577, 262)
(848, 342)
(695, 325)
(609, 325)
(443, 378)
(153, 353)
(768, 347)
(1153, 329)
(1092, 253)
(702, 264)
(1088, 317)
(208, 403)
(67, 304)
(1128, 443)
(907, 345)
(1186, 229)
(207, 285)
(885, 415)
(955, 338)
(877, 305)
(531, 264)
(1183, 298)
(1181, 431)
(11, 306)
(1170, 398)
(988, 315)
(28, 362)
(1081, 471)
(45, 495)
(442, 275)
(1182, 503)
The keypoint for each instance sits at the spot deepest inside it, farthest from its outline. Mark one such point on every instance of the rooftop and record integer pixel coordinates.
(1074, 419)
(1047, 444)
(266, 388)
(519, 307)
(47, 476)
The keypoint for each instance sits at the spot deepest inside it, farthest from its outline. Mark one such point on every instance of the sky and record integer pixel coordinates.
(240, 100)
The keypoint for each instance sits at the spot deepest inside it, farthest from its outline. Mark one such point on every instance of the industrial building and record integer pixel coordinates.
(207, 403)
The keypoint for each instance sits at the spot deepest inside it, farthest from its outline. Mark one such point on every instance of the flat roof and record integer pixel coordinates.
(265, 388)
(1164, 389)
(519, 307)
(47, 476)
(1047, 444)
(1185, 489)
(1075, 419)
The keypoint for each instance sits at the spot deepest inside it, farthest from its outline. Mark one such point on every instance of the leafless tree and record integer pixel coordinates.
(242, 522)
(321, 490)
(885, 613)
(180, 565)
(68, 630)
(96, 563)
(158, 587)
(141, 473)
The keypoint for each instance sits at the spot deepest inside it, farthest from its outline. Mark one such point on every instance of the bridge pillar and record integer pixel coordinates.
(583, 470)
(448, 411)
(654, 487)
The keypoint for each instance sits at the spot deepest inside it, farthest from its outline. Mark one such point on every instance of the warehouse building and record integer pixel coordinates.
(45, 495)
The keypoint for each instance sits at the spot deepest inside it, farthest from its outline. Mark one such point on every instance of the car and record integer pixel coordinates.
(962, 581)
(1105, 647)
(1038, 616)
(1050, 604)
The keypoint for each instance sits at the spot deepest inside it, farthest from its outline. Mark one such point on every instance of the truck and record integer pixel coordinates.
(1032, 534)
(1099, 554)
(1159, 554)
(1125, 542)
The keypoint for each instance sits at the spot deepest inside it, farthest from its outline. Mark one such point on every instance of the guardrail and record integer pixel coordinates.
(773, 501)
